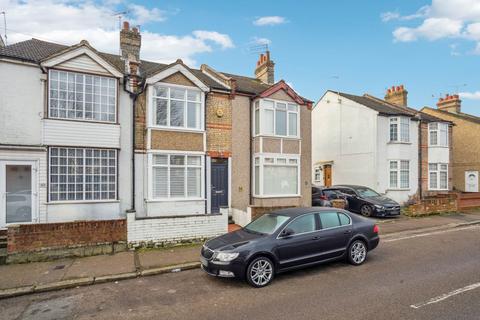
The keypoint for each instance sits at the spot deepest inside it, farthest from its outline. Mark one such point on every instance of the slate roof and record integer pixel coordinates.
(464, 116)
(385, 108)
(35, 51)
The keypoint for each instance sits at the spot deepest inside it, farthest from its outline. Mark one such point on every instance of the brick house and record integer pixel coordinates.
(382, 144)
(86, 135)
(210, 144)
(466, 142)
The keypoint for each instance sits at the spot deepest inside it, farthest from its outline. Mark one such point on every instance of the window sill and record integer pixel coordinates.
(81, 202)
(439, 147)
(443, 190)
(206, 215)
(83, 121)
(176, 129)
(275, 136)
(398, 142)
(398, 189)
(278, 196)
(174, 200)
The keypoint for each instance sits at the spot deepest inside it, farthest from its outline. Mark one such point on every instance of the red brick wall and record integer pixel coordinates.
(440, 203)
(31, 237)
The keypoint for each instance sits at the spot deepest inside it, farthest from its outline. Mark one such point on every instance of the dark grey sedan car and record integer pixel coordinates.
(289, 239)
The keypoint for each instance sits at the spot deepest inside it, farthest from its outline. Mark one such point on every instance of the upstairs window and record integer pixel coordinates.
(275, 118)
(177, 107)
(80, 96)
(400, 129)
(438, 134)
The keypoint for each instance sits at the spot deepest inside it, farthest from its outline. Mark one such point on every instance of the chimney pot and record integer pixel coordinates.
(135, 29)
(264, 70)
(126, 25)
(397, 95)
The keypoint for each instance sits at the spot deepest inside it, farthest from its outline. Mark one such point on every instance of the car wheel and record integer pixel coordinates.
(366, 210)
(357, 252)
(260, 272)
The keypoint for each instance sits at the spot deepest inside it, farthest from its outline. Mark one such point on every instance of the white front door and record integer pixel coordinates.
(18, 192)
(471, 181)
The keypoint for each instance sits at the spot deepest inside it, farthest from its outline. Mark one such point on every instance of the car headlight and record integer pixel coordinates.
(379, 207)
(226, 256)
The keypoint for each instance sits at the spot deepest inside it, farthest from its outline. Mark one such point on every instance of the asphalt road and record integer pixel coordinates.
(436, 276)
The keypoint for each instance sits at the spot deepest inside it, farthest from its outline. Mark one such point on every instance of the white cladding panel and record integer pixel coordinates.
(81, 134)
(83, 63)
(438, 155)
(21, 104)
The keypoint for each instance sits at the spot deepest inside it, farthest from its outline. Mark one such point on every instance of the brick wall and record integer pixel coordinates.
(140, 121)
(157, 231)
(259, 211)
(433, 204)
(219, 123)
(33, 237)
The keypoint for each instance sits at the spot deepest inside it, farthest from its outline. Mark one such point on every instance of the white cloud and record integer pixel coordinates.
(470, 95)
(222, 39)
(261, 41)
(459, 19)
(68, 22)
(269, 21)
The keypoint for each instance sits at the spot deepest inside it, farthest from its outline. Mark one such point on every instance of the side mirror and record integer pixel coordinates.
(287, 232)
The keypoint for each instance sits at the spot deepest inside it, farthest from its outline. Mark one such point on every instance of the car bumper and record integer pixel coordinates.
(387, 213)
(373, 243)
(231, 269)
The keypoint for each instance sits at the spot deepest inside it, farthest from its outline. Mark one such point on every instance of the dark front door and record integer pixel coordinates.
(219, 192)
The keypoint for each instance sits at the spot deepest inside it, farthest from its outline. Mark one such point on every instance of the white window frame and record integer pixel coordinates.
(438, 128)
(399, 171)
(259, 105)
(84, 183)
(260, 161)
(83, 99)
(438, 171)
(169, 198)
(398, 121)
(152, 108)
(317, 171)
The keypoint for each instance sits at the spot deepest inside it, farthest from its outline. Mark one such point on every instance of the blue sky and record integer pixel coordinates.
(352, 46)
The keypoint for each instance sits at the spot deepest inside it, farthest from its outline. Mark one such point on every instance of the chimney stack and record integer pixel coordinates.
(130, 42)
(397, 95)
(451, 103)
(265, 69)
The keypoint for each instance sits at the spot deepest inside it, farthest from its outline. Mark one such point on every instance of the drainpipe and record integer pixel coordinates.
(420, 171)
(133, 95)
(251, 109)
(205, 156)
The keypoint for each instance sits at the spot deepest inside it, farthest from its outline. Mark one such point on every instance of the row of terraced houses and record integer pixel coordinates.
(114, 144)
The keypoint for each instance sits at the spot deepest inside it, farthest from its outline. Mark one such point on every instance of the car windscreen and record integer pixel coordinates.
(266, 224)
(366, 192)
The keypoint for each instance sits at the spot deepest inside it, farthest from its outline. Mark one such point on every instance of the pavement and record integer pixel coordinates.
(21, 279)
(428, 276)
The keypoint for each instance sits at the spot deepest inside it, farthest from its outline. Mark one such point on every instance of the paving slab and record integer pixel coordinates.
(19, 275)
(154, 258)
(96, 266)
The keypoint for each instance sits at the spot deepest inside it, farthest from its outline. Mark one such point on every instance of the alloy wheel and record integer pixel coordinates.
(366, 211)
(358, 252)
(261, 272)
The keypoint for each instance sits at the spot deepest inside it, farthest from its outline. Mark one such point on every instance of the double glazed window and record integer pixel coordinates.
(438, 134)
(399, 174)
(177, 107)
(438, 176)
(82, 174)
(276, 118)
(400, 129)
(176, 176)
(81, 96)
(276, 176)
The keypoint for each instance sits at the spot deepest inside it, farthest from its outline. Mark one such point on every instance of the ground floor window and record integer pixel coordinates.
(438, 176)
(318, 174)
(399, 174)
(177, 176)
(78, 174)
(276, 175)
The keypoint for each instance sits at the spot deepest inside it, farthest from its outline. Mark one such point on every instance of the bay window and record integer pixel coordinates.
(276, 118)
(276, 176)
(176, 176)
(400, 129)
(399, 174)
(177, 107)
(82, 174)
(78, 96)
(438, 134)
(438, 176)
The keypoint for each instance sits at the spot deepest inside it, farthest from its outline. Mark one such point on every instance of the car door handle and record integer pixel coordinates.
(347, 232)
(316, 238)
